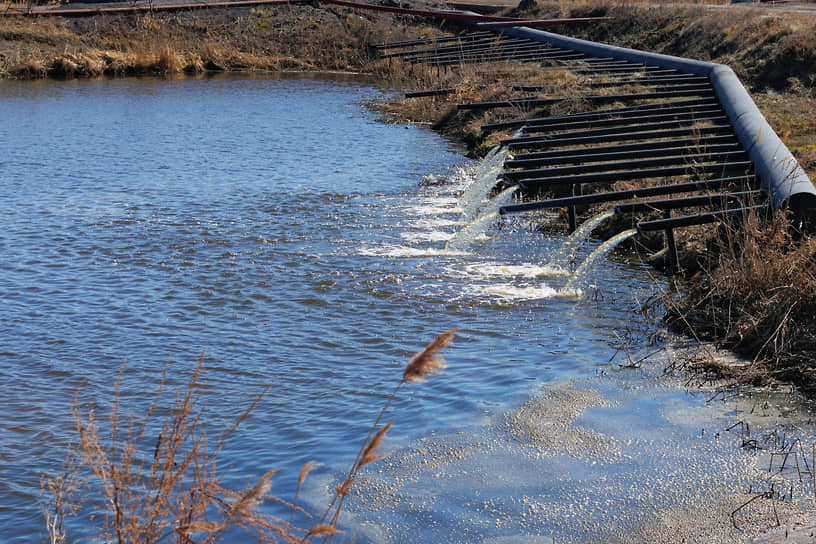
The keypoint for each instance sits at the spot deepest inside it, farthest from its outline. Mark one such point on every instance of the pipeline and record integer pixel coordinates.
(465, 17)
(782, 178)
(119, 10)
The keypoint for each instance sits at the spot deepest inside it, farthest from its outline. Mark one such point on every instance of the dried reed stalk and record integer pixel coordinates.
(174, 493)
(422, 364)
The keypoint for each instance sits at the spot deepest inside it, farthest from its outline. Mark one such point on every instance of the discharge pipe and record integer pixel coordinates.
(781, 176)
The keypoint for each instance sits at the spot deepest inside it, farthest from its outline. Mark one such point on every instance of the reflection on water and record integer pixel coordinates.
(276, 226)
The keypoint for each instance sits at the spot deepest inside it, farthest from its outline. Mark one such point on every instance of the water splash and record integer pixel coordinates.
(471, 199)
(573, 286)
(492, 160)
(509, 293)
(491, 153)
(499, 200)
(470, 232)
(408, 252)
(564, 255)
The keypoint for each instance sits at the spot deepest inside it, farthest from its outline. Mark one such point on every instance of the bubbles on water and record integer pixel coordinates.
(390, 250)
(507, 292)
(523, 270)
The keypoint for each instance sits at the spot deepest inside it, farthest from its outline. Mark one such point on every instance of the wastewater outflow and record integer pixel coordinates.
(480, 213)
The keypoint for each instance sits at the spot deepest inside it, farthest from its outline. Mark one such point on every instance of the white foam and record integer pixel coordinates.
(430, 224)
(408, 251)
(430, 236)
(511, 292)
(525, 270)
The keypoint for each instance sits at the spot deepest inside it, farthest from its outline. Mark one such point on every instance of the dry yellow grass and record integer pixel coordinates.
(169, 489)
(757, 296)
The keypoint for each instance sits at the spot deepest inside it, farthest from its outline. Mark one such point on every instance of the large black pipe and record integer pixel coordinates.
(711, 200)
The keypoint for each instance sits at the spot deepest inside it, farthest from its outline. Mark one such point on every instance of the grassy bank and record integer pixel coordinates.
(273, 38)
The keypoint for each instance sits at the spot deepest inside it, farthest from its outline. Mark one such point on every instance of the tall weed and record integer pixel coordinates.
(139, 480)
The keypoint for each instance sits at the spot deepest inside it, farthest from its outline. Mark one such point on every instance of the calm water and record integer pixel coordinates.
(280, 229)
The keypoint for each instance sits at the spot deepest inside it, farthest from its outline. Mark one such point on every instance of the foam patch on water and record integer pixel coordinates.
(573, 464)
(431, 224)
(409, 251)
(431, 210)
(526, 270)
(437, 205)
(432, 236)
(508, 292)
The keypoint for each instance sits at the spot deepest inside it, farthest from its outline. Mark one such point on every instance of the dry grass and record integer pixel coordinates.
(757, 296)
(134, 481)
(260, 39)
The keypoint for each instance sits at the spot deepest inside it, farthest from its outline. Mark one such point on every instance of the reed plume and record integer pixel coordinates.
(172, 488)
(423, 364)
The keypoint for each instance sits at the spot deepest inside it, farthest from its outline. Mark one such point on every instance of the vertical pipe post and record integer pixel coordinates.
(672, 259)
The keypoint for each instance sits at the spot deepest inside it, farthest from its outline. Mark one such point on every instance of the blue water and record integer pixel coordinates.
(284, 232)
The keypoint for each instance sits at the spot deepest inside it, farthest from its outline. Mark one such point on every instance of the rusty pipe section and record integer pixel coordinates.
(781, 176)
(119, 10)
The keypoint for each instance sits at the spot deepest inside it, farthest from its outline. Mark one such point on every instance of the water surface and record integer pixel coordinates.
(277, 228)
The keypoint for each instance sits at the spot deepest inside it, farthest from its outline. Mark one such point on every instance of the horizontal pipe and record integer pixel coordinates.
(428, 41)
(151, 8)
(615, 132)
(521, 57)
(702, 116)
(497, 56)
(595, 99)
(628, 136)
(630, 175)
(485, 44)
(676, 82)
(717, 199)
(697, 219)
(661, 107)
(432, 92)
(456, 47)
(643, 192)
(541, 22)
(689, 161)
(706, 151)
(687, 143)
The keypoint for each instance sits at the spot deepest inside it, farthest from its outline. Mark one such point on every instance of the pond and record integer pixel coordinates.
(277, 229)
